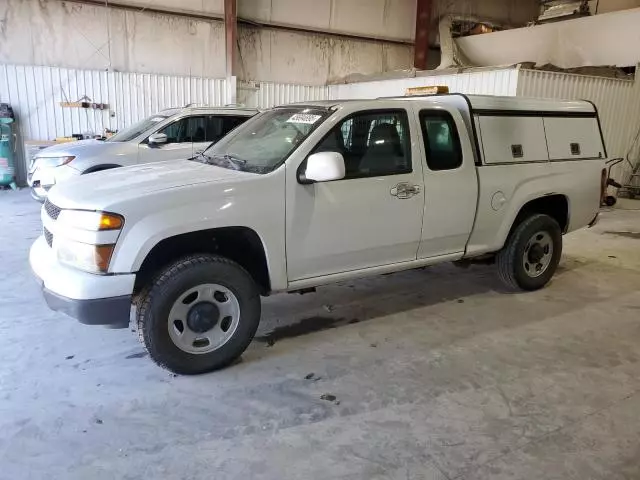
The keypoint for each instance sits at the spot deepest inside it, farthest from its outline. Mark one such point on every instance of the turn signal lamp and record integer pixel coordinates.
(92, 221)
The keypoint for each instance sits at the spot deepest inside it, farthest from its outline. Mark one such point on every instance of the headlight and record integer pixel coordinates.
(91, 258)
(92, 221)
(44, 162)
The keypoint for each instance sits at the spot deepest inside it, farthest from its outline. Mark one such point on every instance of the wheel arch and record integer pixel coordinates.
(100, 168)
(241, 244)
(555, 205)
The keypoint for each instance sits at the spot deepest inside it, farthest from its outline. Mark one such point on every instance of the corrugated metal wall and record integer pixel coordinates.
(268, 94)
(480, 82)
(36, 92)
(618, 103)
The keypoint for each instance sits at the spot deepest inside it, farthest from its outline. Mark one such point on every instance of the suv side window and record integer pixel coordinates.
(219, 125)
(441, 140)
(373, 143)
(186, 130)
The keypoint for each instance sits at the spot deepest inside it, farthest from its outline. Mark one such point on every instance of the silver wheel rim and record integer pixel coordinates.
(538, 253)
(203, 318)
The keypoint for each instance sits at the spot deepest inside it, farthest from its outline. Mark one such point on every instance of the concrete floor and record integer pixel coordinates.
(436, 373)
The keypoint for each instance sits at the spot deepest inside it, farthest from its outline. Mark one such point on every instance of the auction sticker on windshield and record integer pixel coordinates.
(304, 118)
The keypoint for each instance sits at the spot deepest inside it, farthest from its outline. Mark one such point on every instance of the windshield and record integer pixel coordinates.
(132, 131)
(264, 142)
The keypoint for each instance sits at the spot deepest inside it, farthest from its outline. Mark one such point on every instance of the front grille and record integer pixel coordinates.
(48, 236)
(51, 209)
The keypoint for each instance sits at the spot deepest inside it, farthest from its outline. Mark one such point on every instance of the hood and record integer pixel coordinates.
(84, 149)
(98, 190)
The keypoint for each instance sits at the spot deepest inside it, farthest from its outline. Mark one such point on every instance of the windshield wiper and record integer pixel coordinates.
(225, 160)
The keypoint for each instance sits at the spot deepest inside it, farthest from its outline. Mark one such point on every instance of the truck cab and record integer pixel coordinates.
(304, 195)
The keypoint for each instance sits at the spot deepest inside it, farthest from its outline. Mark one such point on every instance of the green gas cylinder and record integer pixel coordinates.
(7, 153)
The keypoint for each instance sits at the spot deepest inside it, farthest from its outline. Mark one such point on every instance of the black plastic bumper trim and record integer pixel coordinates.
(113, 312)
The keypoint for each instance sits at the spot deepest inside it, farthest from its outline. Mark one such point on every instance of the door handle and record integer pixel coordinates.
(405, 190)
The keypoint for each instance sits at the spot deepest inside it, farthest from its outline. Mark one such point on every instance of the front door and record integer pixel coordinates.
(373, 216)
(181, 135)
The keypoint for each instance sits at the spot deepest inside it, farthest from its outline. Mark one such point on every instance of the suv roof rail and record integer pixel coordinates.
(228, 105)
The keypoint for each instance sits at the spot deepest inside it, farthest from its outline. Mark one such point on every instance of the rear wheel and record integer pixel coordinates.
(199, 314)
(532, 253)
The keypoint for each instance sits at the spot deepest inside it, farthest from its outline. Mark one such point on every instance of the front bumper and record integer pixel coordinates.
(113, 312)
(42, 179)
(89, 298)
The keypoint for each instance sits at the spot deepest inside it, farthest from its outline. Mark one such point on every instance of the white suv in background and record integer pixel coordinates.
(173, 134)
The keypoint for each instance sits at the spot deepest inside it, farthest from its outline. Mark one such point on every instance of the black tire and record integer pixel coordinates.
(610, 200)
(186, 273)
(511, 269)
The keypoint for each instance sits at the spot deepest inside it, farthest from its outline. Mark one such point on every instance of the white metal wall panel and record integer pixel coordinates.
(502, 81)
(272, 94)
(36, 92)
(268, 94)
(618, 103)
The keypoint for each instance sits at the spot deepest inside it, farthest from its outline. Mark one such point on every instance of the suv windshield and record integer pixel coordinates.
(264, 142)
(132, 131)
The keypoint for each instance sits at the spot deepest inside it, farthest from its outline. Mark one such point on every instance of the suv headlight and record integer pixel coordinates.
(91, 258)
(92, 221)
(48, 162)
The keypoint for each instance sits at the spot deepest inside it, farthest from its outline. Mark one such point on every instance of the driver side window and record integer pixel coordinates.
(373, 143)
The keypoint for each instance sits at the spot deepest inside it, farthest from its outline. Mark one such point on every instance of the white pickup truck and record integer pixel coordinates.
(304, 195)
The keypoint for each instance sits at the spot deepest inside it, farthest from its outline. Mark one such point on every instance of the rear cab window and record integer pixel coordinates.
(441, 140)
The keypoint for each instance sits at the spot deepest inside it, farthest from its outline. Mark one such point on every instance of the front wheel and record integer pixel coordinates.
(199, 314)
(532, 253)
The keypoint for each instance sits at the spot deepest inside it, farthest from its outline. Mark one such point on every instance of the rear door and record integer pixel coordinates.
(450, 181)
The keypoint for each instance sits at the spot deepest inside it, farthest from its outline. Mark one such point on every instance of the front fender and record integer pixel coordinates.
(256, 203)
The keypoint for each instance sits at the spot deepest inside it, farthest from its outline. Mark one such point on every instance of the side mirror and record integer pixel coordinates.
(324, 167)
(157, 139)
